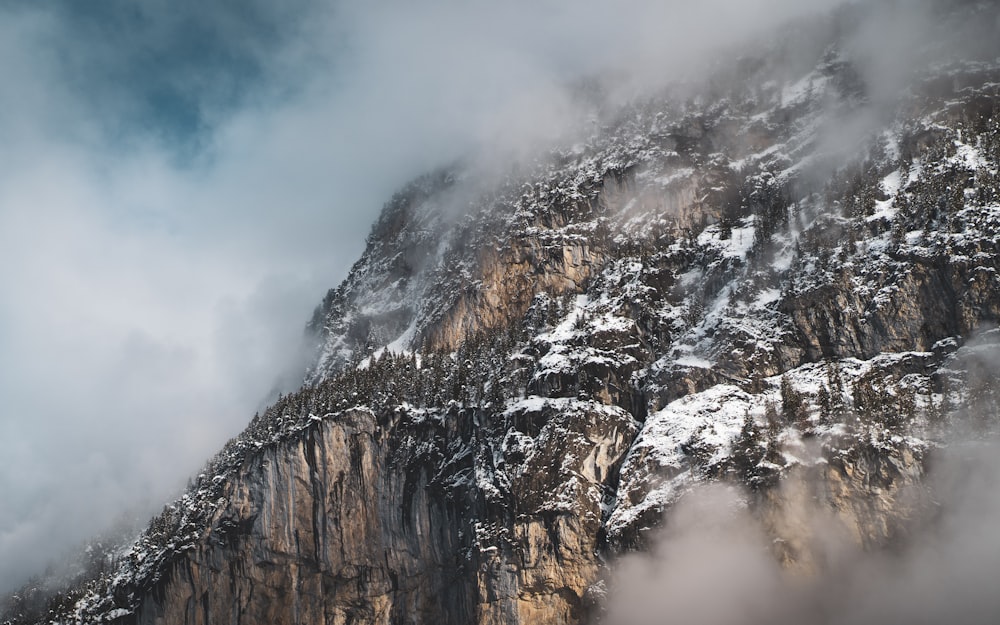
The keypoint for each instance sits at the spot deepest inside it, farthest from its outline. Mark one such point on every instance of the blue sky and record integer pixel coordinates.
(181, 181)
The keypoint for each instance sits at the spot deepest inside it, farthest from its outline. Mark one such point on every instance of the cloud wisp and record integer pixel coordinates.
(713, 562)
(716, 560)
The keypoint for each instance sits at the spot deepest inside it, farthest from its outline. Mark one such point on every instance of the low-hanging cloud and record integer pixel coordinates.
(717, 558)
(714, 563)
(180, 182)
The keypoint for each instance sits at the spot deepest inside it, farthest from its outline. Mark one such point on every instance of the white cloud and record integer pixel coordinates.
(713, 563)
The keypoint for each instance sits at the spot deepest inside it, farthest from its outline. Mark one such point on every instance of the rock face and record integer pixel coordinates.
(519, 379)
(354, 522)
(323, 530)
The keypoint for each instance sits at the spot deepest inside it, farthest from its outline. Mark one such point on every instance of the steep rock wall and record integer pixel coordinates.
(364, 520)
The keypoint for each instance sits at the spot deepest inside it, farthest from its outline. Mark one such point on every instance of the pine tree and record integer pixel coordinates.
(825, 406)
(749, 451)
(792, 404)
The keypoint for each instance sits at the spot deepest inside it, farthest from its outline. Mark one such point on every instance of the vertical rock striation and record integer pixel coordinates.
(356, 521)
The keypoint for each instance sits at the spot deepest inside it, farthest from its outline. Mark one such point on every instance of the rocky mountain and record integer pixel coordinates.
(778, 278)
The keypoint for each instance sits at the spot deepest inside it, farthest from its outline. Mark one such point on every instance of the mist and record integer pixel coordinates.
(718, 557)
(180, 182)
(714, 563)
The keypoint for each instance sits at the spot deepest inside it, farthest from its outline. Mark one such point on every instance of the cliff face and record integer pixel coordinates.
(326, 530)
(519, 379)
(361, 520)
(371, 518)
